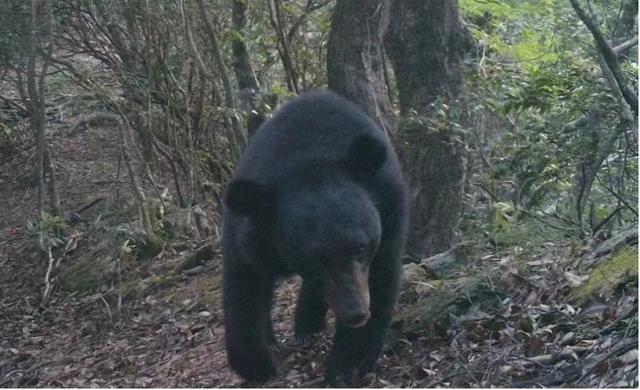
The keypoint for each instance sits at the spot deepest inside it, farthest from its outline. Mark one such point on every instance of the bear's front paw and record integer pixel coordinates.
(338, 374)
(339, 379)
(257, 366)
(303, 340)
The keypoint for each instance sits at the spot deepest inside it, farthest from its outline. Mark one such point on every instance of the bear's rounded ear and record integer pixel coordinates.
(366, 155)
(249, 198)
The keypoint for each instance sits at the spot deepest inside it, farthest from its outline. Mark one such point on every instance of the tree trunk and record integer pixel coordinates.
(587, 168)
(283, 45)
(237, 137)
(126, 139)
(41, 47)
(229, 98)
(54, 197)
(247, 81)
(609, 56)
(425, 43)
(603, 144)
(626, 27)
(355, 56)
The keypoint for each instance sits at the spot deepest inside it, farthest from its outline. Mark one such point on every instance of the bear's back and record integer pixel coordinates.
(314, 128)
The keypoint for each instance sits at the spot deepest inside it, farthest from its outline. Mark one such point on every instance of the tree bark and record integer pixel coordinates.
(355, 56)
(126, 138)
(229, 97)
(238, 139)
(41, 48)
(425, 43)
(54, 197)
(602, 144)
(247, 80)
(626, 27)
(587, 168)
(283, 45)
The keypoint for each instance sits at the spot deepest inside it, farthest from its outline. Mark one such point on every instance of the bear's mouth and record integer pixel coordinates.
(357, 321)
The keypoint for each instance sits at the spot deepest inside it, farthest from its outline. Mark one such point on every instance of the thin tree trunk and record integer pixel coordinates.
(126, 139)
(247, 80)
(229, 98)
(285, 55)
(41, 47)
(236, 136)
(54, 197)
(602, 145)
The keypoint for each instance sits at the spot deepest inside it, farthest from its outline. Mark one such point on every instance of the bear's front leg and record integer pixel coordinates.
(355, 349)
(247, 303)
(360, 347)
(311, 310)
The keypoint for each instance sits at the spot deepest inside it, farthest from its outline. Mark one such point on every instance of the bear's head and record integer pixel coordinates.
(323, 223)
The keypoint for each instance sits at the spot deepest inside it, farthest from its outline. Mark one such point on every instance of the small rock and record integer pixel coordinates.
(568, 339)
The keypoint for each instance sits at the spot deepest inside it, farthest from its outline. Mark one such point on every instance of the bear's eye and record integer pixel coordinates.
(362, 248)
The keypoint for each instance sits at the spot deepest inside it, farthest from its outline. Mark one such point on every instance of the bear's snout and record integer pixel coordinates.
(357, 319)
(349, 294)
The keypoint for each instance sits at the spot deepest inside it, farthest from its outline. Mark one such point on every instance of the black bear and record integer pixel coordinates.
(318, 192)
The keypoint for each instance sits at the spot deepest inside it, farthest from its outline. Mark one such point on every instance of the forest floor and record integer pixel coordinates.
(506, 317)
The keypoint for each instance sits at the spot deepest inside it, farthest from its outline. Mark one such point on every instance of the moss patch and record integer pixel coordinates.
(609, 274)
(90, 270)
(209, 290)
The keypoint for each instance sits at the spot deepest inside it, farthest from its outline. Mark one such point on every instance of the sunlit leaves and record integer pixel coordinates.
(539, 77)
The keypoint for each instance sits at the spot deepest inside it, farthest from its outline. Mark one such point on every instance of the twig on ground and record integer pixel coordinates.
(89, 205)
(47, 282)
(444, 378)
(620, 348)
(107, 305)
(119, 273)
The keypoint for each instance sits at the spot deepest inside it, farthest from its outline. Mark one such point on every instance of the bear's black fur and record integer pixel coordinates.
(319, 193)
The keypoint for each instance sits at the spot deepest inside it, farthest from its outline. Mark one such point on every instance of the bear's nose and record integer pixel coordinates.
(357, 319)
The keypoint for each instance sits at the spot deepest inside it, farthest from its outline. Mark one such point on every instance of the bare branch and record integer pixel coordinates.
(625, 45)
(308, 9)
(617, 196)
(608, 54)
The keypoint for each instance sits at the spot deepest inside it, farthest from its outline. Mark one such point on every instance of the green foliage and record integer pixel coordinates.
(516, 29)
(130, 242)
(8, 127)
(14, 30)
(309, 33)
(48, 231)
(546, 115)
(504, 217)
(56, 82)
